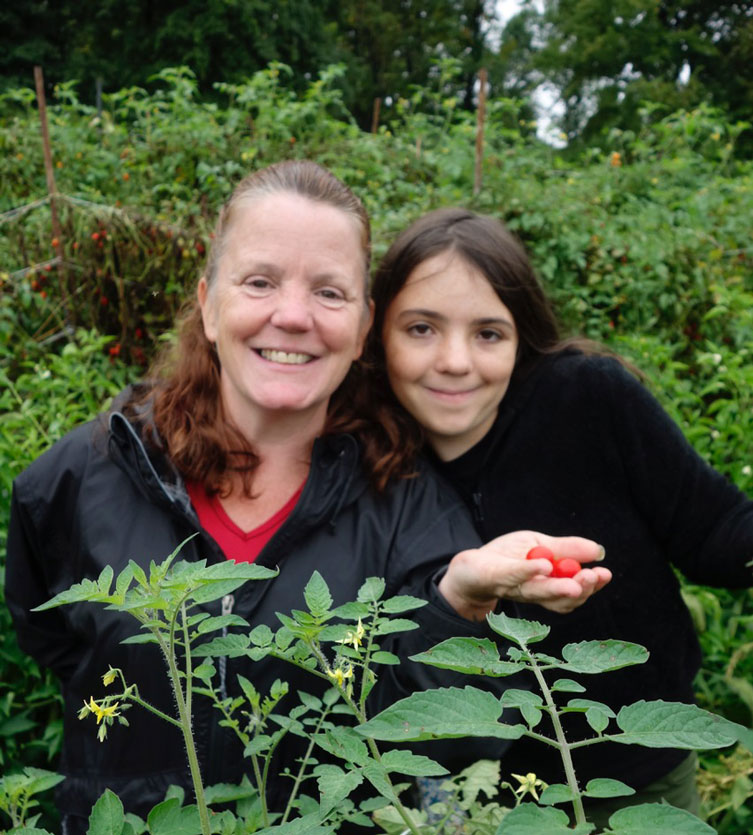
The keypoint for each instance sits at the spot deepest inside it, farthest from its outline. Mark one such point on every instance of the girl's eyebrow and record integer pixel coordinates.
(440, 317)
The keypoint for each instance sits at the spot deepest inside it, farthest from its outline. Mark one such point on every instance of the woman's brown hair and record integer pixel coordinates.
(185, 399)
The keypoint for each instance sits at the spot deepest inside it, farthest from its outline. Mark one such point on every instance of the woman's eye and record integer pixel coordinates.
(258, 283)
(330, 294)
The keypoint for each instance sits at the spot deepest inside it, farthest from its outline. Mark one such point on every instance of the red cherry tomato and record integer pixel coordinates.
(566, 567)
(540, 552)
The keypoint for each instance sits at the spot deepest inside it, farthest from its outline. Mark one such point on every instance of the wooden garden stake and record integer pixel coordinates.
(57, 232)
(375, 114)
(480, 117)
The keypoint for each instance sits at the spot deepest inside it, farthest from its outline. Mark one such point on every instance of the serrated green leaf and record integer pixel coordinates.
(107, 816)
(447, 712)
(41, 779)
(556, 793)
(658, 819)
(522, 632)
(307, 825)
(529, 819)
(335, 785)
(406, 762)
(86, 590)
(402, 603)
(597, 720)
(372, 590)
(602, 656)
(351, 611)
(383, 657)
(261, 635)
(567, 685)
(138, 573)
(140, 639)
(219, 622)
(230, 646)
(517, 698)
(169, 818)
(482, 776)
(659, 724)
(205, 671)
(586, 704)
(345, 743)
(124, 580)
(606, 787)
(393, 625)
(474, 656)
(377, 776)
(317, 596)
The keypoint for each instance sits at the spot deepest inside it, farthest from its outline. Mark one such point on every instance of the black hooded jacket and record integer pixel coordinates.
(580, 447)
(97, 498)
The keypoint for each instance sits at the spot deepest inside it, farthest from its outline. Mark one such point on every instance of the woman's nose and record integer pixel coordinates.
(292, 310)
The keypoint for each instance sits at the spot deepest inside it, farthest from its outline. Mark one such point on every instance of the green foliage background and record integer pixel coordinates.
(643, 244)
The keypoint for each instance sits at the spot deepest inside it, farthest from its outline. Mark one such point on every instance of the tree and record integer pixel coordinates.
(607, 56)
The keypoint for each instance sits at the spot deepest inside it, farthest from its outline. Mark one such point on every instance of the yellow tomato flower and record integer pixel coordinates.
(340, 675)
(109, 677)
(528, 784)
(354, 636)
(101, 711)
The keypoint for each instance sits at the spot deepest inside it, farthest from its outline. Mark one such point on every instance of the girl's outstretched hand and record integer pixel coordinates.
(475, 580)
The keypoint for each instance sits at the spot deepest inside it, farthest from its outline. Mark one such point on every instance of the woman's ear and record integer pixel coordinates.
(207, 309)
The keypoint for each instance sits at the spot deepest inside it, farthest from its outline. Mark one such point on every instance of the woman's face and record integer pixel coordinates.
(286, 309)
(450, 345)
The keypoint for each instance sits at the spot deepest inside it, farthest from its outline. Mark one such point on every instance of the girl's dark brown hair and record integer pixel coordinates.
(185, 399)
(486, 244)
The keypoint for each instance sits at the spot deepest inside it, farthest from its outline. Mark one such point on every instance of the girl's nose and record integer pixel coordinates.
(453, 356)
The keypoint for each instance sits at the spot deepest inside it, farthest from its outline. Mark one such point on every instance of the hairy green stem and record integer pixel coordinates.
(361, 717)
(185, 724)
(301, 771)
(562, 743)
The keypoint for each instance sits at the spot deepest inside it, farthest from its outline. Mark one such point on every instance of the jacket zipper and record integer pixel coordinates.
(478, 508)
(228, 601)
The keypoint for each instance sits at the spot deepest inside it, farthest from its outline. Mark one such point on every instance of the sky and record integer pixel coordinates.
(544, 99)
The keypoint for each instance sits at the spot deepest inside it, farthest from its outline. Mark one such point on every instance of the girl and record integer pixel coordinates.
(536, 432)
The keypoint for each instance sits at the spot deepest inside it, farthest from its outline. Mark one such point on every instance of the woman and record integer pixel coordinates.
(245, 435)
(539, 433)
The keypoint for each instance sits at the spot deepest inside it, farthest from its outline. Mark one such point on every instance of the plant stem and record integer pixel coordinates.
(301, 770)
(562, 743)
(185, 723)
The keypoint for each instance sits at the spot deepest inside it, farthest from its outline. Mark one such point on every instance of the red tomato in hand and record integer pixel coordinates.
(540, 552)
(566, 567)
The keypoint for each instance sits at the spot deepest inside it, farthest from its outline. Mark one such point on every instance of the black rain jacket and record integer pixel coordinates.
(98, 498)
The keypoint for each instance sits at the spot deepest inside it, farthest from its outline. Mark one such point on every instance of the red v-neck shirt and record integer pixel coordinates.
(236, 544)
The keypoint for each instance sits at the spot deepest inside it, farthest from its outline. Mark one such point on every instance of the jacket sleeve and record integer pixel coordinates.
(703, 521)
(437, 527)
(43, 635)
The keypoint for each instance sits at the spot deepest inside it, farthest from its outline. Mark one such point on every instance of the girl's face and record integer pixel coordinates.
(450, 345)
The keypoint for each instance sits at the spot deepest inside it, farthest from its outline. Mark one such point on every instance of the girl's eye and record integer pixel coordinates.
(419, 329)
(488, 335)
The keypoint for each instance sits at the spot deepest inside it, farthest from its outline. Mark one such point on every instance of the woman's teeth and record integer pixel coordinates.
(285, 357)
